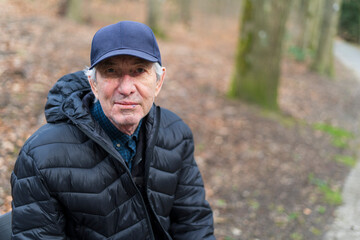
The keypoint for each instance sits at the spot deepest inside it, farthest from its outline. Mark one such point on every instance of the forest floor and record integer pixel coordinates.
(267, 175)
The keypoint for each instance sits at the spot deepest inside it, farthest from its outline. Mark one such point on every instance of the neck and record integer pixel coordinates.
(126, 129)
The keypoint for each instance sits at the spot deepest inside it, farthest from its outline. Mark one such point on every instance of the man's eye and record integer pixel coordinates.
(140, 70)
(110, 70)
(137, 71)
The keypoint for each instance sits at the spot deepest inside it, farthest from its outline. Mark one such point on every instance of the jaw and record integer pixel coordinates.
(126, 120)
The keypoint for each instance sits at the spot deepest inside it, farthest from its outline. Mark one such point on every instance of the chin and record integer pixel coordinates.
(128, 121)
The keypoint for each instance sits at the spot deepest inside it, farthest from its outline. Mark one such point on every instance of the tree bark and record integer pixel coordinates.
(154, 14)
(314, 23)
(300, 13)
(185, 12)
(323, 61)
(74, 10)
(259, 50)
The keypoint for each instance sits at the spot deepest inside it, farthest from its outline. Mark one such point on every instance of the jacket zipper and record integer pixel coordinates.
(122, 162)
(149, 156)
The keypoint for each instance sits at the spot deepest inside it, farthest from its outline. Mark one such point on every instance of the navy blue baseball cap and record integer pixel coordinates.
(125, 38)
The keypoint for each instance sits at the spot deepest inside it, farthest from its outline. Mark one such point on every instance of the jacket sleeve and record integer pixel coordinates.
(35, 214)
(191, 215)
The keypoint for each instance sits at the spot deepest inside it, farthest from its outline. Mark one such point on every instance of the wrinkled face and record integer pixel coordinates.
(126, 87)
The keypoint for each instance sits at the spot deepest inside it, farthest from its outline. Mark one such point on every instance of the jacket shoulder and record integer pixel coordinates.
(174, 133)
(170, 120)
(47, 145)
(53, 134)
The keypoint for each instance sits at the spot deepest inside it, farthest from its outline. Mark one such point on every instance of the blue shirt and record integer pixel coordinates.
(123, 143)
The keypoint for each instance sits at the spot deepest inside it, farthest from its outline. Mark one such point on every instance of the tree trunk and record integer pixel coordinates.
(185, 12)
(259, 52)
(300, 12)
(323, 61)
(154, 15)
(313, 23)
(74, 10)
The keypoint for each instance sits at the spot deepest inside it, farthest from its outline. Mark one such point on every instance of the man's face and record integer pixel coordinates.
(126, 87)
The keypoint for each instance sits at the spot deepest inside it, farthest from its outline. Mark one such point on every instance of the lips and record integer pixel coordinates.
(127, 104)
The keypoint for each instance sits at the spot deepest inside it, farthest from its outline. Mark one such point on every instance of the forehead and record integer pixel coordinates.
(123, 60)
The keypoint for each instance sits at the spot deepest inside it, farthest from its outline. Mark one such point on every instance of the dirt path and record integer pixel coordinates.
(346, 225)
(349, 55)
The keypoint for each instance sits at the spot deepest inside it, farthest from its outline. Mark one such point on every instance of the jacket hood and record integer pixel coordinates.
(64, 100)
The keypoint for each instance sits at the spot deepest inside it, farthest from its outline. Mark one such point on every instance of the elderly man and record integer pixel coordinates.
(109, 164)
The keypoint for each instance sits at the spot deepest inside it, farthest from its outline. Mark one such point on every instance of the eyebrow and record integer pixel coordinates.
(143, 62)
(109, 62)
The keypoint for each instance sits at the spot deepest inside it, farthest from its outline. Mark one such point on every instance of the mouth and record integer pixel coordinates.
(126, 105)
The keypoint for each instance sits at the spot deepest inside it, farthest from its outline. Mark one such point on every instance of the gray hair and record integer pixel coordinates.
(91, 73)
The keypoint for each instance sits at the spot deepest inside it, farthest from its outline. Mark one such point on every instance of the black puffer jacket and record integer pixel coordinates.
(70, 183)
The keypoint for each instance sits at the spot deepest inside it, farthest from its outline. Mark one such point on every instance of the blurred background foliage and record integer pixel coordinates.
(349, 25)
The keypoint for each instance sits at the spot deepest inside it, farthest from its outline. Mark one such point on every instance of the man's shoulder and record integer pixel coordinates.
(45, 147)
(169, 118)
(59, 133)
(170, 121)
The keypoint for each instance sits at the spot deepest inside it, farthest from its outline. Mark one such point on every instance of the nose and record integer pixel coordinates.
(126, 85)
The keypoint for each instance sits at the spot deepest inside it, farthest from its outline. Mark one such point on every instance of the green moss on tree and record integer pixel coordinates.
(257, 63)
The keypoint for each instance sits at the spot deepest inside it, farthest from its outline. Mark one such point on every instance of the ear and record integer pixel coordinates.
(93, 86)
(160, 82)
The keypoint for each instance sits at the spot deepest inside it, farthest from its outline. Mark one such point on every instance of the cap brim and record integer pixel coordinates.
(130, 52)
